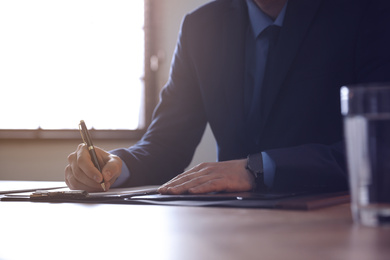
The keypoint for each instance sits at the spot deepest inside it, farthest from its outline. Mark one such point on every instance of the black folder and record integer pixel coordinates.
(148, 196)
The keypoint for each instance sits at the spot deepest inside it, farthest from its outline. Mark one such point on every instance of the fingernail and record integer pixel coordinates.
(109, 174)
(96, 178)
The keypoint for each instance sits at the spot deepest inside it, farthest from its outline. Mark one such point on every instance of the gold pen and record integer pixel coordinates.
(91, 149)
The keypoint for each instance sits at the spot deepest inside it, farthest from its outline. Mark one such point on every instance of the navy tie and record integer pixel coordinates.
(263, 58)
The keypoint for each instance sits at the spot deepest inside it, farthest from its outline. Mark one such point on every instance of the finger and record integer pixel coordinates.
(201, 169)
(73, 172)
(112, 168)
(81, 177)
(214, 185)
(179, 182)
(74, 184)
(193, 170)
(186, 186)
(85, 164)
(68, 173)
(223, 183)
(176, 179)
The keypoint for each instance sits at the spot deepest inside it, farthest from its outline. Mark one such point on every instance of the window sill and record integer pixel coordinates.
(70, 134)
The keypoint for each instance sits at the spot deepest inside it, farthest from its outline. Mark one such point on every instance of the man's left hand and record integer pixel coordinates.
(228, 176)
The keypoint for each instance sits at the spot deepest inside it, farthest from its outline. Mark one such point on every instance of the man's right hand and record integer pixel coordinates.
(81, 174)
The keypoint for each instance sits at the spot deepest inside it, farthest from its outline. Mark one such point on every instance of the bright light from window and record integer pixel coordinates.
(66, 60)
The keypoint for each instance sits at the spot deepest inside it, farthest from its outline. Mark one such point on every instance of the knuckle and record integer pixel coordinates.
(79, 159)
(117, 163)
(203, 165)
(71, 157)
(181, 176)
(182, 179)
(214, 184)
(219, 185)
(69, 176)
(69, 182)
(80, 150)
(78, 174)
(68, 170)
(80, 146)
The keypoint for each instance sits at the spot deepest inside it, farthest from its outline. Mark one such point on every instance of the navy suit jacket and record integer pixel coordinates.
(323, 45)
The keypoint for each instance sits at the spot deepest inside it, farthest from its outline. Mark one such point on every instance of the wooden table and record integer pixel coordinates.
(32, 230)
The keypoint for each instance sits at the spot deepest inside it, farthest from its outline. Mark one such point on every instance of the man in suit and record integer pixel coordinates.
(266, 75)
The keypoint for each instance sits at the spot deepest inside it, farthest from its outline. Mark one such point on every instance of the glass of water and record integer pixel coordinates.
(366, 111)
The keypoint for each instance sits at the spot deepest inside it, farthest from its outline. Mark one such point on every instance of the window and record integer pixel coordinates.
(66, 60)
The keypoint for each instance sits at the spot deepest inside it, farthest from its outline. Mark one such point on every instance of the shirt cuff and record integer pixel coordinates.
(269, 170)
(123, 177)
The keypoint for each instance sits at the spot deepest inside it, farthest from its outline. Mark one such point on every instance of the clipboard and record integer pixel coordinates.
(84, 196)
(79, 196)
(4, 192)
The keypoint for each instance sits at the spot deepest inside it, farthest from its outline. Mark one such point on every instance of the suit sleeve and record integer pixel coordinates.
(309, 167)
(177, 126)
(318, 166)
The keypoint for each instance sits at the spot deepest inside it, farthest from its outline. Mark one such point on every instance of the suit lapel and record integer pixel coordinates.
(233, 54)
(297, 20)
(232, 65)
(232, 69)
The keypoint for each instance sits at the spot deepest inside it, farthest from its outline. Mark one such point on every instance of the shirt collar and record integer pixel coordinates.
(259, 20)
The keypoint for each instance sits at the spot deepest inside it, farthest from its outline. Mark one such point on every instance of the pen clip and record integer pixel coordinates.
(81, 133)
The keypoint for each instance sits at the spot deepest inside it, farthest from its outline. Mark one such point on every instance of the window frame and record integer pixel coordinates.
(149, 95)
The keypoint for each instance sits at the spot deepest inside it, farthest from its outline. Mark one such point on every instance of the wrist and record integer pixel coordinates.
(254, 164)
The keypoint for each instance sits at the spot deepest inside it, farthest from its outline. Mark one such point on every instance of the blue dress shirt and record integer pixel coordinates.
(257, 43)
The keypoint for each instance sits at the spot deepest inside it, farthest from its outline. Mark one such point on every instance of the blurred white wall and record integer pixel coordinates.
(46, 159)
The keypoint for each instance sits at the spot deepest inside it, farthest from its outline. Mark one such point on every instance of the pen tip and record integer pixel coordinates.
(103, 186)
